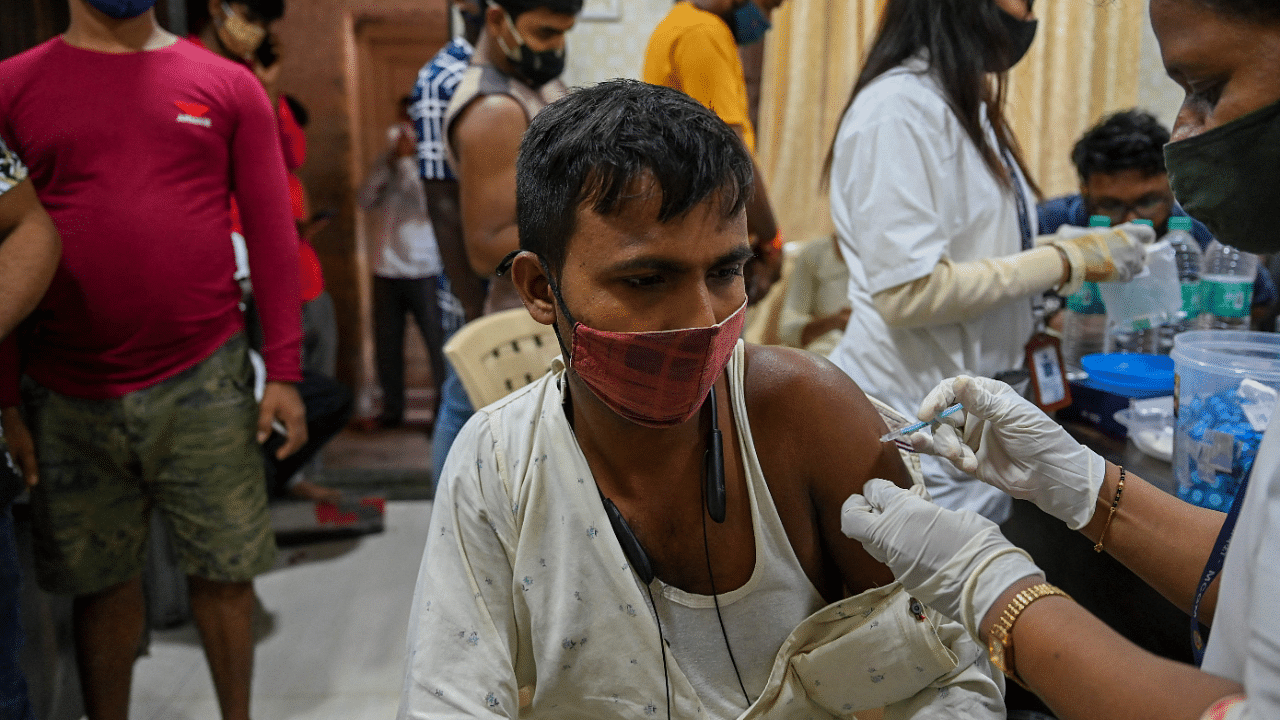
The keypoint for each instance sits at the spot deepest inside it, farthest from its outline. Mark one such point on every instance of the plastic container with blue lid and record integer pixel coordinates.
(1132, 375)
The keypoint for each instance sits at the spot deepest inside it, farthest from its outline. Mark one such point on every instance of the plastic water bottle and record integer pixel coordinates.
(1226, 287)
(1084, 330)
(1190, 265)
(1142, 311)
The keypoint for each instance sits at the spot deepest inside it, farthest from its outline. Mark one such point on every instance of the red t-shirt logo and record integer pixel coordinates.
(193, 113)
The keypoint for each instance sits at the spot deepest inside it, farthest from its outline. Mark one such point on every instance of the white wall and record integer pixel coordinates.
(1156, 92)
(600, 49)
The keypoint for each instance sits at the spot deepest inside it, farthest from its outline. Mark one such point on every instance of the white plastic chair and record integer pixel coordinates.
(500, 353)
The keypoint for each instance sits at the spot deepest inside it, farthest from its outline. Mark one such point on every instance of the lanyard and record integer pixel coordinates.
(1214, 566)
(1024, 213)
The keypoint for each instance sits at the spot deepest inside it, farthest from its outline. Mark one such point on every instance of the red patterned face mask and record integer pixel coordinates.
(658, 379)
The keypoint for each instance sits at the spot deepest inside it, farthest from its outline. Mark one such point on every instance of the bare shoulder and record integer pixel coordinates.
(490, 118)
(790, 384)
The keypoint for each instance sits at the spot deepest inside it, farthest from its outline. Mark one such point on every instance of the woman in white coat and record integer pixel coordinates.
(936, 215)
(1224, 164)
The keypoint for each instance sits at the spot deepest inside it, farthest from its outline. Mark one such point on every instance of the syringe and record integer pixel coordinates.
(902, 432)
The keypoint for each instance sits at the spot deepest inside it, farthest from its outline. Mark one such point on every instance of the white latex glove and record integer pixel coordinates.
(956, 562)
(1005, 441)
(1102, 254)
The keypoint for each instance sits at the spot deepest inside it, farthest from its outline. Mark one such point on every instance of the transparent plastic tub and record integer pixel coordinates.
(1227, 384)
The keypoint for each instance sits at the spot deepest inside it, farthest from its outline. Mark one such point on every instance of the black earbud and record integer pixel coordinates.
(713, 474)
(716, 501)
(631, 546)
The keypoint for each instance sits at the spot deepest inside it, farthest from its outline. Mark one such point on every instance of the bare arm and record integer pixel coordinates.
(1084, 670)
(838, 450)
(486, 138)
(29, 253)
(1162, 539)
(766, 268)
(443, 206)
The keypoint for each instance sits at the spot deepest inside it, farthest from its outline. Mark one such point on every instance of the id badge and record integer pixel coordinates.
(1048, 377)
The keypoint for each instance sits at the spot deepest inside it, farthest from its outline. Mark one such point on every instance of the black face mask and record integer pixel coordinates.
(1021, 33)
(1228, 177)
(535, 68)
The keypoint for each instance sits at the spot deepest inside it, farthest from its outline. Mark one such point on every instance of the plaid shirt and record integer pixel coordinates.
(436, 84)
(12, 171)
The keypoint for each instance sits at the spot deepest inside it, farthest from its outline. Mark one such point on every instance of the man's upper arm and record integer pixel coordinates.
(486, 139)
(462, 630)
(840, 451)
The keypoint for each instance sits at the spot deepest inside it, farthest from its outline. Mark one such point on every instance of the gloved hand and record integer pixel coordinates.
(1103, 254)
(956, 562)
(1005, 441)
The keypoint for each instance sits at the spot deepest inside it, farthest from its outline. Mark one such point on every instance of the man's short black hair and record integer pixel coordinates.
(515, 8)
(1128, 140)
(594, 147)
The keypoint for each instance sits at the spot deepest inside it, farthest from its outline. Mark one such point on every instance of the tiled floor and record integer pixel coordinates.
(335, 645)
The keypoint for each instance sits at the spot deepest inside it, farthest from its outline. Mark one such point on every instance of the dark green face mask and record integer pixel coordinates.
(1229, 179)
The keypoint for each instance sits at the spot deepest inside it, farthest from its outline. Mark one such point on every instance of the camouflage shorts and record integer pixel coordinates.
(185, 446)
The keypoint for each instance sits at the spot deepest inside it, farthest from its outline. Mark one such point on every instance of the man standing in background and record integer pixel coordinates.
(463, 298)
(514, 73)
(406, 267)
(695, 50)
(138, 386)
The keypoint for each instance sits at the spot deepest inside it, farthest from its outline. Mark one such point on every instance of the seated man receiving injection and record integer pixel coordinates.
(642, 531)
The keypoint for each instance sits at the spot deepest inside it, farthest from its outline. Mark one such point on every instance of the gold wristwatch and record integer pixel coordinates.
(1000, 641)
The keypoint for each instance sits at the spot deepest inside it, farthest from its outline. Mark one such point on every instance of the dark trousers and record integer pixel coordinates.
(393, 299)
(329, 406)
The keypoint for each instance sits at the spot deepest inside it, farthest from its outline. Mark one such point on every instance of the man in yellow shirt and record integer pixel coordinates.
(695, 50)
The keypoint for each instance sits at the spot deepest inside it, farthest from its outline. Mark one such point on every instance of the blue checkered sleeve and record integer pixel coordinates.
(437, 81)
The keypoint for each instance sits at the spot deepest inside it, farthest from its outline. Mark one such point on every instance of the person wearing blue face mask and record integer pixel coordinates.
(694, 49)
(137, 388)
(1220, 568)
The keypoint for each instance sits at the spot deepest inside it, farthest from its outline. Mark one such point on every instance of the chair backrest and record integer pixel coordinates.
(500, 353)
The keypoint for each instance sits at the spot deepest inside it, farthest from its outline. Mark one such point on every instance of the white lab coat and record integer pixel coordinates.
(1244, 642)
(908, 188)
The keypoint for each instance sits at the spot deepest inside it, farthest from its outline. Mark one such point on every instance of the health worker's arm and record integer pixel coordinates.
(1162, 539)
(1084, 670)
(1078, 665)
(486, 138)
(463, 638)
(955, 292)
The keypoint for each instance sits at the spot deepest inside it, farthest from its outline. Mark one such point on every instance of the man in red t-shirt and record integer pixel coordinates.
(138, 388)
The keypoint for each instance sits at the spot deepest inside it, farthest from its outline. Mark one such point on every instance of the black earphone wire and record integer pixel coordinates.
(706, 548)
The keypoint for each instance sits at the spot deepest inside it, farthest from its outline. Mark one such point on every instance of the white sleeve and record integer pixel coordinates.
(1262, 660)
(462, 629)
(375, 185)
(885, 175)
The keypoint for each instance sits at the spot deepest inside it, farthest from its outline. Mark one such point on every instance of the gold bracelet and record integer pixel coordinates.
(1000, 641)
(1111, 514)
